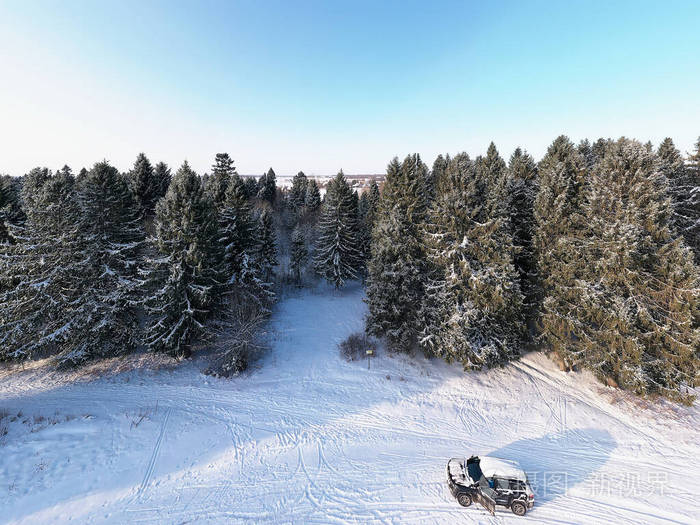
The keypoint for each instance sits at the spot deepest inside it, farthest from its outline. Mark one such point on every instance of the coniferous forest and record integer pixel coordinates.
(590, 254)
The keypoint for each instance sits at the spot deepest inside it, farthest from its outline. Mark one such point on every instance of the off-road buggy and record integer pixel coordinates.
(490, 482)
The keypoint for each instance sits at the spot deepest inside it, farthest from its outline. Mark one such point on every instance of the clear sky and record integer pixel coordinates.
(319, 86)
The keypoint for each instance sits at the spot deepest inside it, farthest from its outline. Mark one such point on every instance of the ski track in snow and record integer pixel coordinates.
(308, 438)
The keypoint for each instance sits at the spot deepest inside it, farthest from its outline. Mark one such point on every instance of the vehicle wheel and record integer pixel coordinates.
(518, 508)
(464, 499)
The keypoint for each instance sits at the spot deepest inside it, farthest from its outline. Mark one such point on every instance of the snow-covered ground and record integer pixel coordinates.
(308, 438)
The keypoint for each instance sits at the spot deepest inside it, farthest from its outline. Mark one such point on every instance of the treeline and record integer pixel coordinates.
(103, 263)
(591, 254)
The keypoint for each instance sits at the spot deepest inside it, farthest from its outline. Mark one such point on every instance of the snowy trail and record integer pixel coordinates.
(308, 438)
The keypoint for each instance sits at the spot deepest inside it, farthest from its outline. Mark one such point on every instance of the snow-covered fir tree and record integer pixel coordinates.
(639, 289)
(239, 242)
(237, 229)
(337, 257)
(472, 307)
(684, 187)
(110, 235)
(398, 264)
(691, 204)
(251, 187)
(221, 172)
(522, 189)
(364, 225)
(161, 181)
(558, 234)
(41, 274)
(297, 195)
(144, 185)
(267, 186)
(439, 171)
(267, 247)
(73, 269)
(299, 254)
(373, 197)
(312, 199)
(187, 275)
(11, 214)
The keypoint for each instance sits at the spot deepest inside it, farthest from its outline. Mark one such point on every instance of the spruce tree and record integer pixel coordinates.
(267, 248)
(398, 265)
(267, 186)
(299, 254)
(297, 195)
(588, 157)
(237, 229)
(373, 198)
(42, 272)
(162, 178)
(691, 204)
(439, 172)
(312, 199)
(145, 186)
(110, 234)
(522, 189)
(684, 188)
(472, 307)
(221, 172)
(559, 229)
(337, 257)
(251, 187)
(238, 238)
(364, 225)
(639, 289)
(186, 277)
(11, 214)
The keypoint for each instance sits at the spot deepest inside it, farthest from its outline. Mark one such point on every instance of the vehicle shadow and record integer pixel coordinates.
(556, 463)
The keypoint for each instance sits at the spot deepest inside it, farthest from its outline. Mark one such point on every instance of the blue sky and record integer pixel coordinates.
(319, 86)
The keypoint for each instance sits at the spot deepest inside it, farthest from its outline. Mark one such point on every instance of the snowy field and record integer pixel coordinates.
(308, 438)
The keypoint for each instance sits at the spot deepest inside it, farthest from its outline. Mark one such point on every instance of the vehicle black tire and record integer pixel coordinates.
(464, 499)
(518, 508)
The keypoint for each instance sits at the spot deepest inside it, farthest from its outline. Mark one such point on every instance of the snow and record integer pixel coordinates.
(306, 437)
(504, 468)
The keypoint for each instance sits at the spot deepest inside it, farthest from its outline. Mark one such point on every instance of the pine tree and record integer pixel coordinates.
(639, 289)
(312, 199)
(187, 275)
(297, 195)
(299, 254)
(522, 189)
(267, 245)
(559, 228)
(146, 187)
(337, 257)
(398, 266)
(685, 195)
(221, 172)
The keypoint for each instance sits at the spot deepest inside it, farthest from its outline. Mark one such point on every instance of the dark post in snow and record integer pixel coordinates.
(369, 353)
